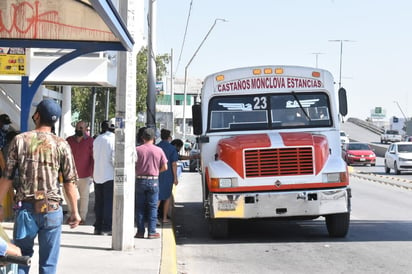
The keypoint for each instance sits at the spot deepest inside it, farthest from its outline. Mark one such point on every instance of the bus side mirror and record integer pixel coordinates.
(343, 103)
(197, 119)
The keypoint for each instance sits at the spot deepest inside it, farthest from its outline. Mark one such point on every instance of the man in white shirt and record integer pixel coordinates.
(103, 175)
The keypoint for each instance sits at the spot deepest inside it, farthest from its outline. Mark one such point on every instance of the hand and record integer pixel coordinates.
(74, 220)
(13, 250)
(175, 182)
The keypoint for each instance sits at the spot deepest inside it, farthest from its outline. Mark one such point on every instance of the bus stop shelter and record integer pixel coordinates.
(83, 26)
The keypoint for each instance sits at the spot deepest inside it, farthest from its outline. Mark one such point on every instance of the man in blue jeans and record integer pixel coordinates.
(151, 160)
(37, 157)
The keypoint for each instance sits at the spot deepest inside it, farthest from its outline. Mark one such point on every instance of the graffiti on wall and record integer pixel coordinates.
(54, 20)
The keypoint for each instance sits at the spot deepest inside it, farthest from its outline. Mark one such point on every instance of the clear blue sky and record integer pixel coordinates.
(375, 66)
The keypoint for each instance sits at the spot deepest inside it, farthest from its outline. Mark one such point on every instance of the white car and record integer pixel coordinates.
(343, 138)
(399, 157)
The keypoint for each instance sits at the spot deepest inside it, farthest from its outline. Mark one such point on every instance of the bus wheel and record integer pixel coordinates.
(218, 228)
(338, 224)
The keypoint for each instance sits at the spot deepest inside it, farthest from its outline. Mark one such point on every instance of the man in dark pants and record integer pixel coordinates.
(151, 160)
(103, 175)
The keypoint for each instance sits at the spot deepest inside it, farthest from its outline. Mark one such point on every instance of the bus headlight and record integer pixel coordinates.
(223, 182)
(332, 177)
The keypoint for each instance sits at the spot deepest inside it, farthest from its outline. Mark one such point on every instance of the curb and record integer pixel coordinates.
(168, 257)
(387, 180)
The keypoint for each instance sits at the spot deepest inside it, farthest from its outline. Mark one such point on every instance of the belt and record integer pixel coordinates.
(40, 205)
(147, 177)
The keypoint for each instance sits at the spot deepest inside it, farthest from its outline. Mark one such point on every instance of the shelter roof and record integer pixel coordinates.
(62, 24)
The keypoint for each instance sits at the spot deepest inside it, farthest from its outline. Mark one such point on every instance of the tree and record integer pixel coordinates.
(82, 96)
(141, 76)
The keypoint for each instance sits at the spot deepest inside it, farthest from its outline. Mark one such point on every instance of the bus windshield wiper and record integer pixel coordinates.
(300, 105)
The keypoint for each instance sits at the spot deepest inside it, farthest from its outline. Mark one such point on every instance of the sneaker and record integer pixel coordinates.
(106, 233)
(154, 236)
(139, 235)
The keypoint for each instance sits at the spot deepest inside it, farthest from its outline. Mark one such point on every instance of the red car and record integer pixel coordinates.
(358, 153)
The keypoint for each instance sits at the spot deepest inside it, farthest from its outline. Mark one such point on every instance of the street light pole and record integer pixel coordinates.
(340, 58)
(317, 54)
(404, 116)
(185, 81)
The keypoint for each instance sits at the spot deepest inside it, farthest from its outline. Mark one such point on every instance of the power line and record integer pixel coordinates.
(184, 38)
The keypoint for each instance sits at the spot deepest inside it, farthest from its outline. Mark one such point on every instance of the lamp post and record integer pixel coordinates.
(340, 59)
(404, 116)
(317, 54)
(185, 81)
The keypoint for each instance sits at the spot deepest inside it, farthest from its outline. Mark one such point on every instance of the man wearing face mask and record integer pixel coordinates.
(82, 148)
(4, 128)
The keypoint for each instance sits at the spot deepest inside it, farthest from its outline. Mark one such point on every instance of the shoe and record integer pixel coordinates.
(97, 232)
(139, 235)
(154, 236)
(158, 224)
(167, 221)
(82, 222)
(106, 233)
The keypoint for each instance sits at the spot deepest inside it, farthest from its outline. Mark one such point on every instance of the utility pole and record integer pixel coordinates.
(151, 71)
(172, 93)
(185, 82)
(340, 58)
(125, 138)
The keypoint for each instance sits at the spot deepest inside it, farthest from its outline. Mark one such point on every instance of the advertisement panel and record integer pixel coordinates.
(13, 61)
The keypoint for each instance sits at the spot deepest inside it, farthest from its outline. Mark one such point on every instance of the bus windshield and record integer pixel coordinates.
(283, 110)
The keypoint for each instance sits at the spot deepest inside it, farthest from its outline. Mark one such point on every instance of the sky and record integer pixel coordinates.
(375, 61)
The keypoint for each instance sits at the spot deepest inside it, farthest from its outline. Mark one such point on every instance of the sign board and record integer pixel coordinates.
(13, 61)
(378, 113)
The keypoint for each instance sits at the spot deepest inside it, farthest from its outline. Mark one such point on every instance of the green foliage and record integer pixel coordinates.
(82, 104)
(141, 76)
(82, 99)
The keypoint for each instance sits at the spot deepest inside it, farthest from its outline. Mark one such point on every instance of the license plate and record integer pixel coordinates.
(362, 159)
(226, 205)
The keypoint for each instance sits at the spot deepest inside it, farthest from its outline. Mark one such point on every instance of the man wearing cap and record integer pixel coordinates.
(151, 161)
(103, 175)
(37, 157)
(4, 128)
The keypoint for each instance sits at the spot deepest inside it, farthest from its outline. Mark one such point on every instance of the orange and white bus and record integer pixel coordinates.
(269, 139)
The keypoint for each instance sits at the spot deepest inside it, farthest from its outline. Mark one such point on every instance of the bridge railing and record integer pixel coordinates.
(367, 125)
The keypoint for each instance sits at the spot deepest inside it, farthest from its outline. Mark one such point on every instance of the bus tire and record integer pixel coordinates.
(338, 224)
(218, 228)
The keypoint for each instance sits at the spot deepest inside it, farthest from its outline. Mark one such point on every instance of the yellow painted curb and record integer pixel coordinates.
(168, 263)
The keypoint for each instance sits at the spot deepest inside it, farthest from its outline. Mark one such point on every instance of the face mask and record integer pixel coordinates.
(5, 127)
(79, 133)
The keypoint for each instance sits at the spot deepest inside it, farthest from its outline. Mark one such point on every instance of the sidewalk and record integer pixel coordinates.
(83, 252)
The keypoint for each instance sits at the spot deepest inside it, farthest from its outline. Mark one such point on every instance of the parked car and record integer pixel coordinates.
(194, 164)
(343, 138)
(358, 153)
(398, 157)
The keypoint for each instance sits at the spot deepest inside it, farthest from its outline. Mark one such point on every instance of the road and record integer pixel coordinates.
(379, 238)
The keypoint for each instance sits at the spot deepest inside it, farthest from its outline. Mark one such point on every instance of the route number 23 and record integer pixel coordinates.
(259, 103)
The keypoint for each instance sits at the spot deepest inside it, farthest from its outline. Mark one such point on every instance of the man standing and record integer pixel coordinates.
(151, 161)
(103, 175)
(4, 128)
(37, 157)
(82, 148)
(168, 178)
